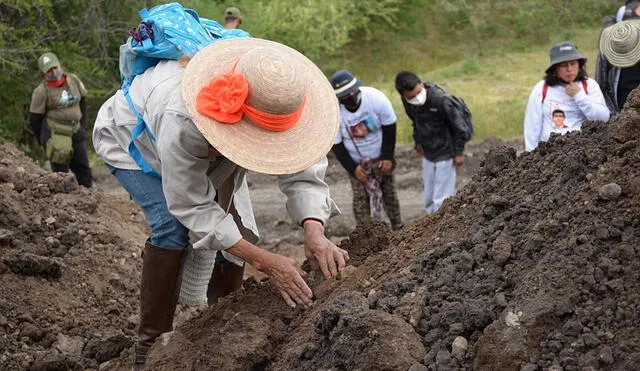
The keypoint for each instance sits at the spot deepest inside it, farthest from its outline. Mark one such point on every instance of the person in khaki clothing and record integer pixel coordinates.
(57, 116)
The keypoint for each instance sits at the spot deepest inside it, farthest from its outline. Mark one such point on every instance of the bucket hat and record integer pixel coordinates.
(261, 104)
(344, 83)
(47, 61)
(563, 52)
(620, 43)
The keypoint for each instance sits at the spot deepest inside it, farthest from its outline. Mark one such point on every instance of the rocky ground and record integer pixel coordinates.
(533, 265)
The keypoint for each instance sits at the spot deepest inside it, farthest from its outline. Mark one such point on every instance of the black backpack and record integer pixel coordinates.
(462, 107)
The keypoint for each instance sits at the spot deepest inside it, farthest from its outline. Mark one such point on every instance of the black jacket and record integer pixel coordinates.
(438, 126)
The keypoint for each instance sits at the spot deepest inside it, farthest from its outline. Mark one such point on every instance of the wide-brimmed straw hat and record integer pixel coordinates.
(282, 83)
(564, 52)
(620, 43)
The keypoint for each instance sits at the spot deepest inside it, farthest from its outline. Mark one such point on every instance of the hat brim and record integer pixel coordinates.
(566, 58)
(614, 33)
(249, 145)
(355, 86)
(49, 66)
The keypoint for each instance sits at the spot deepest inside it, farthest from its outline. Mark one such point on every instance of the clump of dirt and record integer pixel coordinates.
(69, 270)
(533, 265)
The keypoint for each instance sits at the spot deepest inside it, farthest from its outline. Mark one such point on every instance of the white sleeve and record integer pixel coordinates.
(308, 194)
(592, 105)
(190, 194)
(533, 118)
(620, 13)
(384, 109)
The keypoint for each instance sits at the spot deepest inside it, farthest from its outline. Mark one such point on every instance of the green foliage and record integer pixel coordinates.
(315, 27)
(84, 34)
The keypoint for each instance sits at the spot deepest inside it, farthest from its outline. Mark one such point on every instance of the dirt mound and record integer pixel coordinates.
(68, 270)
(534, 265)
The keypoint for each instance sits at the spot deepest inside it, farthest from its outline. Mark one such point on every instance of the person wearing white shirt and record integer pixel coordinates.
(365, 147)
(567, 88)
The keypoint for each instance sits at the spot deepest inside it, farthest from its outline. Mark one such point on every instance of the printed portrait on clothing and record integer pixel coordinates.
(558, 119)
(363, 128)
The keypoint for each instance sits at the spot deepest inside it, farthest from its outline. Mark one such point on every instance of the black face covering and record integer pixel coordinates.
(353, 102)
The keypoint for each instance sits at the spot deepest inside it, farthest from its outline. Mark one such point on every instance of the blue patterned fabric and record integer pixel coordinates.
(167, 31)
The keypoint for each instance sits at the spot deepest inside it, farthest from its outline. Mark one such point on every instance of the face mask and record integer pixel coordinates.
(55, 77)
(419, 99)
(353, 102)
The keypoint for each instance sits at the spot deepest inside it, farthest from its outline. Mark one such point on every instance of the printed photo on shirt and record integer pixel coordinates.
(67, 99)
(558, 117)
(363, 128)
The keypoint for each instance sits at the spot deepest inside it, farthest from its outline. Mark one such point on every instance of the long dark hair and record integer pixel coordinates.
(552, 79)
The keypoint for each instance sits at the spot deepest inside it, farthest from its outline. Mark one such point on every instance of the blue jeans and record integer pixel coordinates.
(146, 191)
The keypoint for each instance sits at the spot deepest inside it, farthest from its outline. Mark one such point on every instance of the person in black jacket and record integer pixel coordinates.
(365, 147)
(439, 134)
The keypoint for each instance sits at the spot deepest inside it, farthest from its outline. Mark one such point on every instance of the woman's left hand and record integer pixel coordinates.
(321, 252)
(385, 166)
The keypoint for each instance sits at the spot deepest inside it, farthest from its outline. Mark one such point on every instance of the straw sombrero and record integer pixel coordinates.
(280, 81)
(620, 43)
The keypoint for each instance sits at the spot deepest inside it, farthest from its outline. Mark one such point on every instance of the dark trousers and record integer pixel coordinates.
(79, 163)
(390, 203)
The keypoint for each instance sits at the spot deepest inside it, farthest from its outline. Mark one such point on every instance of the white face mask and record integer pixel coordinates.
(419, 99)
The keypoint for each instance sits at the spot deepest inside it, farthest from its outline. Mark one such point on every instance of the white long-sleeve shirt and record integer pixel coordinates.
(538, 118)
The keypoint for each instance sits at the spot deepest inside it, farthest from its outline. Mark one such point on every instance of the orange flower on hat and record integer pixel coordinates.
(223, 98)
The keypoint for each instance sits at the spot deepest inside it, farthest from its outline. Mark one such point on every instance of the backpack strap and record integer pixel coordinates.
(545, 87)
(141, 127)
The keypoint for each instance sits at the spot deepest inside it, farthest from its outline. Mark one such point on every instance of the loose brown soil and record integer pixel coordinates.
(533, 265)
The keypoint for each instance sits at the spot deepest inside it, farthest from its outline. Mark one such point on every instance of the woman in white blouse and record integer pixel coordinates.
(567, 88)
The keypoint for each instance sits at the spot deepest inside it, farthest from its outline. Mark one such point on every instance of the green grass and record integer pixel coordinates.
(495, 85)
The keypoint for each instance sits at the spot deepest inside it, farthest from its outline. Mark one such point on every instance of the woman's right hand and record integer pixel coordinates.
(282, 270)
(288, 278)
(360, 174)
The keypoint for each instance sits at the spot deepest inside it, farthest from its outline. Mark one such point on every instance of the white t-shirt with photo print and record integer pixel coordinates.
(365, 124)
(539, 120)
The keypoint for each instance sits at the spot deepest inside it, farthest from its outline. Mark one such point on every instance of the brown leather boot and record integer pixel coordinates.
(225, 279)
(158, 297)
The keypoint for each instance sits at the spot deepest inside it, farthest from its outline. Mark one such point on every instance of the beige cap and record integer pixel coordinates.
(47, 61)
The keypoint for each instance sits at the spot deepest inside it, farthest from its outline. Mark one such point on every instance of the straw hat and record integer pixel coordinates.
(620, 43)
(281, 81)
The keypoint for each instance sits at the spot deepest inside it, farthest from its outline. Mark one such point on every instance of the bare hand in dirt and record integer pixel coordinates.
(321, 252)
(288, 278)
(360, 174)
(419, 151)
(282, 270)
(572, 89)
(458, 160)
(385, 166)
